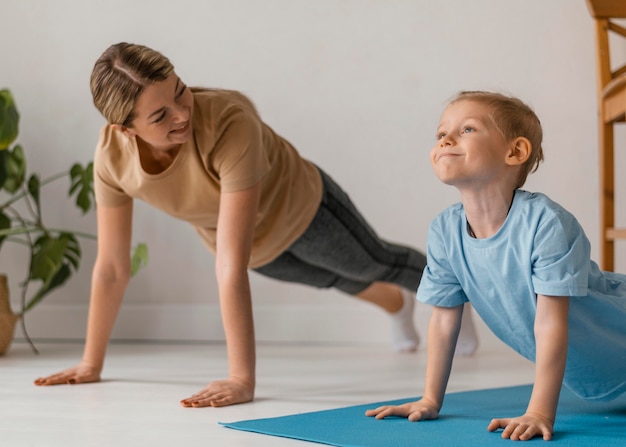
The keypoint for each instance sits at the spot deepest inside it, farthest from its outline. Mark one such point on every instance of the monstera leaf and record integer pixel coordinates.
(139, 258)
(5, 224)
(9, 119)
(53, 261)
(14, 168)
(82, 184)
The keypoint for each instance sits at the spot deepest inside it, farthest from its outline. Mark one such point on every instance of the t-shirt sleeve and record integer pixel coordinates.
(560, 257)
(106, 189)
(239, 157)
(439, 285)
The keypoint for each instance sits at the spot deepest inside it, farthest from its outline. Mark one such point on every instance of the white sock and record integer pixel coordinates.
(467, 343)
(404, 337)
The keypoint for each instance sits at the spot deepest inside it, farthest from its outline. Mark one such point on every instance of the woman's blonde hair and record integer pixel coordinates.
(513, 118)
(121, 74)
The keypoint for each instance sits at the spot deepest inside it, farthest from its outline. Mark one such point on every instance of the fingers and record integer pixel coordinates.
(56, 379)
(413, 413)
(220, 394)
(81, 374)
(208, 400)
(385, 411)
(497, 423)
(519, 431)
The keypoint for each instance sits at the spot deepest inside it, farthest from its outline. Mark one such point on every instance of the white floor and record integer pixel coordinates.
(137, 402)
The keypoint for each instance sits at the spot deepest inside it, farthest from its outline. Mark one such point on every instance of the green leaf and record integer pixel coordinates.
(53, 260)
(5, 223)
(4, 155)
(15, 169)
(81, 179)
(9, 119)
(61, 276)
(34, 186)
(47, 258)
(139, 258)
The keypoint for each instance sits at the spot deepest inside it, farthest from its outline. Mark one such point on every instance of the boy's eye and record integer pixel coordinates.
(467, 130)
(440, 135)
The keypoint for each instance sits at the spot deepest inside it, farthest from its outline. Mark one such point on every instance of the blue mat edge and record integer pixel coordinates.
(241, 425)
(565, 438)
(377, 404)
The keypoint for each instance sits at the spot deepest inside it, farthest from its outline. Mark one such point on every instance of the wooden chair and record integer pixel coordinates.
(611, 111)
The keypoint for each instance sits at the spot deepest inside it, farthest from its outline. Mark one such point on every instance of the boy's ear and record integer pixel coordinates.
(520, 150)
(125, 130)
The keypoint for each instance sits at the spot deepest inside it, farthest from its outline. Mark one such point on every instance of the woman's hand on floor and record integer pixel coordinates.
(83, 373)
(221, 393)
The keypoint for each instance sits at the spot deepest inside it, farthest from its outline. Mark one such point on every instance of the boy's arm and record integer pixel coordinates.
(551, 355)
(443, 331)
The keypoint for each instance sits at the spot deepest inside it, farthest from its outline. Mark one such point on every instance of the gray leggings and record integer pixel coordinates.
(339, 249)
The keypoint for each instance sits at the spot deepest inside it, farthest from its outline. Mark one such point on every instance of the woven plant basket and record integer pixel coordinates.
(8, 319)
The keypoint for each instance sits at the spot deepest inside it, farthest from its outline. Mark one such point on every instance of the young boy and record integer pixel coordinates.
(523, 263)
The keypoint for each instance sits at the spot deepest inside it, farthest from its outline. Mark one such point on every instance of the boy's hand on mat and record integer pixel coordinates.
(523, 428)
(415, 411)
(221, 393)
(83, 373)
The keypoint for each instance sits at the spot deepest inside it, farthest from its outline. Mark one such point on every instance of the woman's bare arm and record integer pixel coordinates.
(235, 233)
(110, 277)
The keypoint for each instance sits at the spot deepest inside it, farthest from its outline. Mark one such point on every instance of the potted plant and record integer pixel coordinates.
(54, 253)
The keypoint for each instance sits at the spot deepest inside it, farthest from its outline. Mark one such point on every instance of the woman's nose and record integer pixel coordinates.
(180, 113)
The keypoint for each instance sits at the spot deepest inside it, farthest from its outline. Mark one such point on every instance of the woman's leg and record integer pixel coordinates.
(399, 303)
(383, 294)
(341, 241)
(341, 250)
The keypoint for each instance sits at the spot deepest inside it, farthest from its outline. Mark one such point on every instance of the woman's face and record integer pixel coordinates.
(163, 114)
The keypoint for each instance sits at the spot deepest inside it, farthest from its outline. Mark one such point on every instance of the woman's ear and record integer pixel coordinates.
(125, 130)
(519, 151)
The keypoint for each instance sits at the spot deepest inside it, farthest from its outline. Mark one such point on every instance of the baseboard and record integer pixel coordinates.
(203, 323)
(347, 323)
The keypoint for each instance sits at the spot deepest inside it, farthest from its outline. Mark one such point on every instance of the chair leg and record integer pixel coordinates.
(607, 192)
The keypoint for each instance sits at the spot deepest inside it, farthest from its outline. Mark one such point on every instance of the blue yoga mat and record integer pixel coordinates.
(463, 422)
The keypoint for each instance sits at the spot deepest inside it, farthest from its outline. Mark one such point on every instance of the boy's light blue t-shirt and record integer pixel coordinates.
(540, 249)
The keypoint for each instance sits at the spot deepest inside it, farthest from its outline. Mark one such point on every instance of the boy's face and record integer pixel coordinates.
(470, 151)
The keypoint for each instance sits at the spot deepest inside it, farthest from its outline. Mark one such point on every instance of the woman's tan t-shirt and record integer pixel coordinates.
(231, 150)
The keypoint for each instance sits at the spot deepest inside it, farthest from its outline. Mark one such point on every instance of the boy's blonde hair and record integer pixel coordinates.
(513, 118)
(121, 74)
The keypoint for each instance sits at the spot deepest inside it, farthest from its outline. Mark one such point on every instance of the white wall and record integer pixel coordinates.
(356, 85)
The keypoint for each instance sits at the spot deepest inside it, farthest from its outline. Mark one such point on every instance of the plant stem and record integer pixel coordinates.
(28, 339)
(24, 193)
(25, 289)
(33, 229)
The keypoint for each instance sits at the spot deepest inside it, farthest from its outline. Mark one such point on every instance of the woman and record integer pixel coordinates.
(205, 157)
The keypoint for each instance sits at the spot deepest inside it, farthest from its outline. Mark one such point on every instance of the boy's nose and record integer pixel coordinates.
(445, 141)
